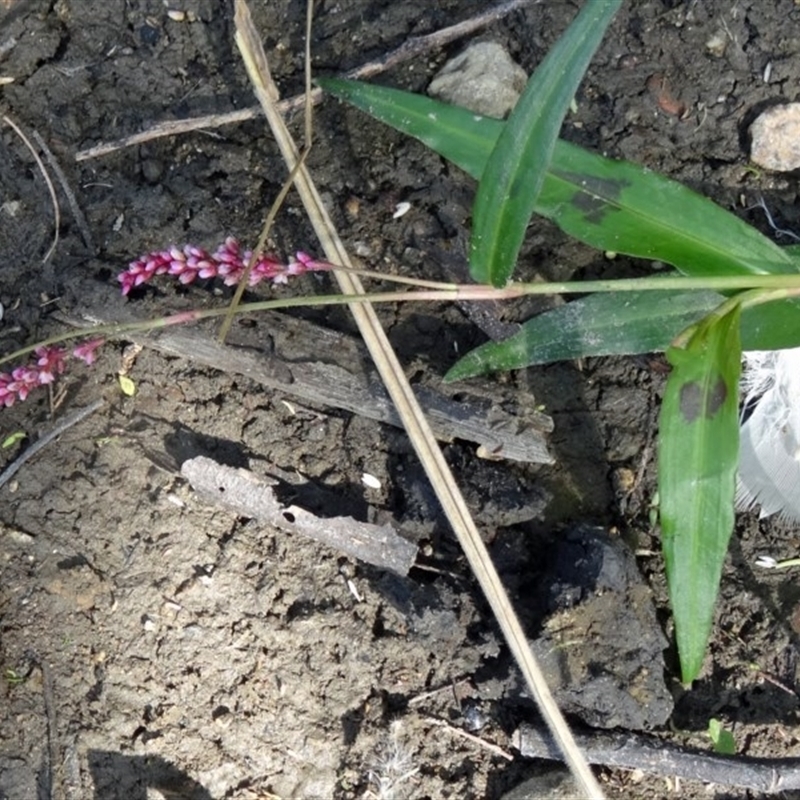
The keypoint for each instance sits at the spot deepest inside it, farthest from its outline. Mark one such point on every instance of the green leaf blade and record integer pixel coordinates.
(698, 452)
(599, 324)
(464, 138)
(608, 204)
(517, 166)
(624, 324)
(622, 207)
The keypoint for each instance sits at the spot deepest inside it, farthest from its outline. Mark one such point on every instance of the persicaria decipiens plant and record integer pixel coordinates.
(187, 264)
(50, 361)
(229, 262)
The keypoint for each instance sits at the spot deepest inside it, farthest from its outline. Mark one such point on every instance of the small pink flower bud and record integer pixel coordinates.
(87, 351)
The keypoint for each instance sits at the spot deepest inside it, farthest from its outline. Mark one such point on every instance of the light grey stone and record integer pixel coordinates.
(775, 136)
(483, 79)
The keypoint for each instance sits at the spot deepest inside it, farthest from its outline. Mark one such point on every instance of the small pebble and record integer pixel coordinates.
(717, 43)
(149, 34)
(148, 624)
(775, 138)
(401, 209)
(483, 79)
(370, 481)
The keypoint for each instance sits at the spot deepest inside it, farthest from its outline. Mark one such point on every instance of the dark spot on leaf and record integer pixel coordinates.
(690, 401)
(716, 397)
(693, 403)
(596, 195)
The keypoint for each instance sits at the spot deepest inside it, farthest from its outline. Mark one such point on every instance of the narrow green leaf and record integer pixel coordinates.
(698, 452)
(517, 166)
(624, 324)
(599, 324)
(608, 204)
(622, 207)
(462, 137)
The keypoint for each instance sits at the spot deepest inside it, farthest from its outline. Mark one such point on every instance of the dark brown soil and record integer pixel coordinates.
(148, 640)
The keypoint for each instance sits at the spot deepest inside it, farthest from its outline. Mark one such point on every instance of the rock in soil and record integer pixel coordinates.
(602, 648)
(483, 79)
(775, 138)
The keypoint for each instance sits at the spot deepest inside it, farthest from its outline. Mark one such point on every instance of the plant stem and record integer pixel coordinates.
(781, 286)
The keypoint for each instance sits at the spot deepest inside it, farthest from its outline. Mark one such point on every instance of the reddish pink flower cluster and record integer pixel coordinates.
(50, 361)
(188, 263)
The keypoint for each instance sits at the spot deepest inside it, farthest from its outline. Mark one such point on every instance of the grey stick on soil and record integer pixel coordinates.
(655, 756)
(242, 492)
(318, 365)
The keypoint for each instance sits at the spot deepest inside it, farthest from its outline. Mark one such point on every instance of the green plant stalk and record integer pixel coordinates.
(780, 287)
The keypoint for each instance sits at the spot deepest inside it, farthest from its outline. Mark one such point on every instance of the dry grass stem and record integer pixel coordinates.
(416, 424)
(50, 187)
(73, 419)
(77, 214)
(470, 737)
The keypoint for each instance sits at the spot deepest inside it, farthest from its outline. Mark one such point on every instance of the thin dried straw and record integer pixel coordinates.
(414, 420)
(50, 187)
(80, 220)
(244, 281)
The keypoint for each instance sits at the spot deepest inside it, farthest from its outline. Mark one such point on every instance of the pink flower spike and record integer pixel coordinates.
(228, 262)
(187, 276)
(229, 253)
(87, 352)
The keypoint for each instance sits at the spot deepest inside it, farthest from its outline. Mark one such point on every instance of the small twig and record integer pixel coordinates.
(51, 789)
(413, 47)
(656, 756)
(51, 188)
(492, 748)
(77, 214)
(449, 687)
(73, 419)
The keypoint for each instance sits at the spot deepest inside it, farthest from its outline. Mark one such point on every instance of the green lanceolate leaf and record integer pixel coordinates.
(611, 205)
(464, 138)
(516, 169)
(624, 324)
(599, 324)
(698, 451)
